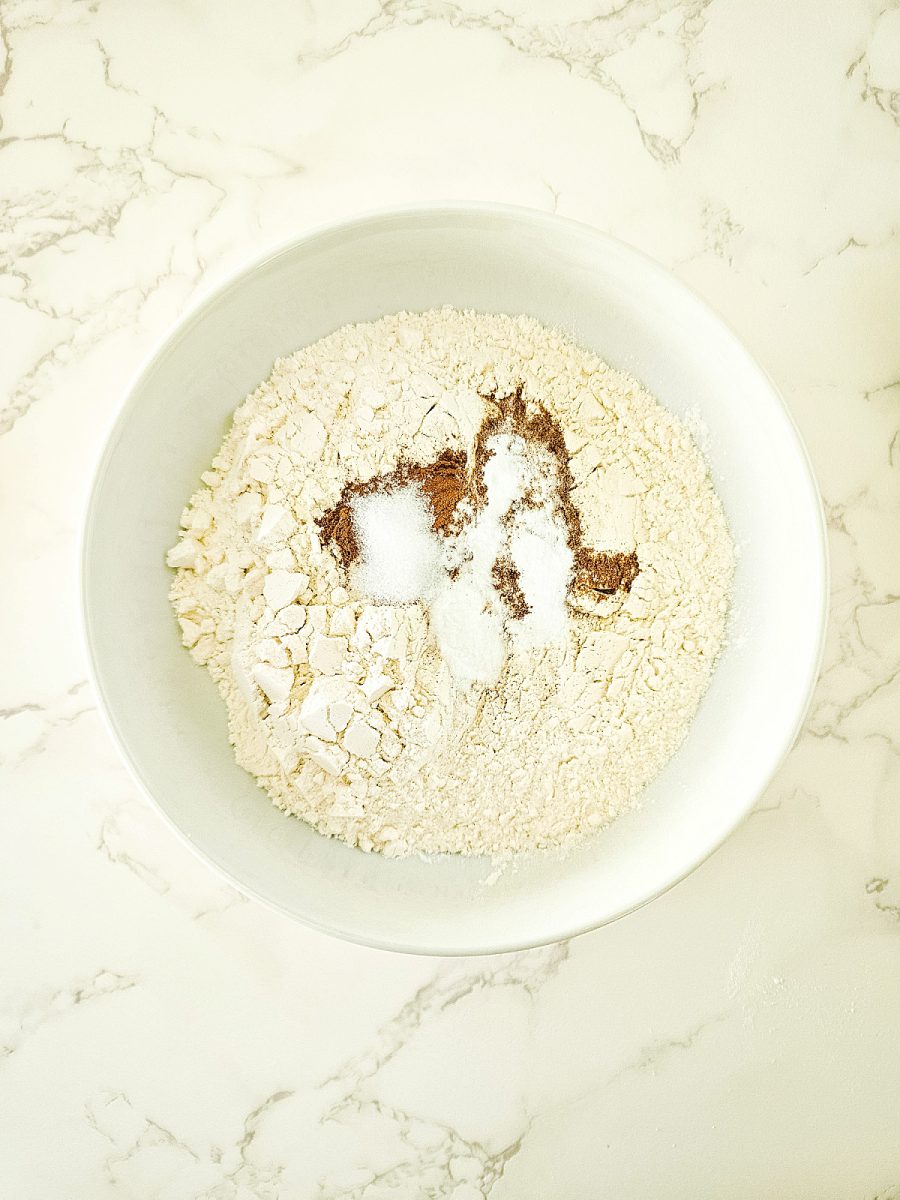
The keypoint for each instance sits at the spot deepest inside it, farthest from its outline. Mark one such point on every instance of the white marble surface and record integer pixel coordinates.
(160, 1036)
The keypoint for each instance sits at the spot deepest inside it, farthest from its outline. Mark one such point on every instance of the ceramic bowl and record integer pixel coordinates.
(166, 715)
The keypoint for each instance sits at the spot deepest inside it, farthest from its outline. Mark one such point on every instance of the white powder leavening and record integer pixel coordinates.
(398, 704)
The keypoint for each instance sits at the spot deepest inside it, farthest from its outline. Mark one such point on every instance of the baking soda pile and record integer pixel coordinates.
(462, 586)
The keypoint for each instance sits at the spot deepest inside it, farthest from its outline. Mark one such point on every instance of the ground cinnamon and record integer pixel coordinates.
(444, 484)
(442, 481)
(604, 573)
(505, 575)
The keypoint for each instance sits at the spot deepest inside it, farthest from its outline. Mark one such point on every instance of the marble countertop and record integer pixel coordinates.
(162, 1037)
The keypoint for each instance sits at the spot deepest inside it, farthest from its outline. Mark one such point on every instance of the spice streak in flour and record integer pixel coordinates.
(449, 479)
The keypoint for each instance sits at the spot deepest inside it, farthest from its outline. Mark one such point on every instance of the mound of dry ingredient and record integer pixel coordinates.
(461, 585)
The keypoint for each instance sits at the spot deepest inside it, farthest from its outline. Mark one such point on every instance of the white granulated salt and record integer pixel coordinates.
(400, 559)
(397, 706)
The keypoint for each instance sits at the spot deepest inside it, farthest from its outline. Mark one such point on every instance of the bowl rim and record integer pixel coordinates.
(209, 296)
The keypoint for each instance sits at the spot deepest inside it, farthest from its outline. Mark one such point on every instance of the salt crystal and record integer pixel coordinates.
(505, 471)
(401, 557)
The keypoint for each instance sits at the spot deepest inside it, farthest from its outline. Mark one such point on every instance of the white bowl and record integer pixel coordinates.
(165, 712)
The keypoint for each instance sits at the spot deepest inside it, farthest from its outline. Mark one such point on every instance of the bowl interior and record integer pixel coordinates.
(166, 713)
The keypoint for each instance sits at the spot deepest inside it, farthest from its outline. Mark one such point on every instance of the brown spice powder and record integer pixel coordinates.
(603, 573)
(336, 526)
(443, 482)
(505, 575)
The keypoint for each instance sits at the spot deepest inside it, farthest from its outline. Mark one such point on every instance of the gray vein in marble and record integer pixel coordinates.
(232, 899)
(54, 1006)
(660, 1049)
(883, 387)
(839, 694)
(876, 887)
(57, 713)
(720, 231)
(6, 73)
(850, 243)
(887, 100)
(149, 1134)
(433, 1171)
(354, 1082)
(828, 715)
(111, 845)
(105, 184)
(766, 808)
(159, 1132)
(215, 1172)
(580, 46)
(252, 1122)
(452, 984)
(18, 709)
(122, 841)
(438, 1158)
(554, 194)
(113, 183)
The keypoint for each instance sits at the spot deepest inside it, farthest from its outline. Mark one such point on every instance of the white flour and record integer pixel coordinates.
(345, 709)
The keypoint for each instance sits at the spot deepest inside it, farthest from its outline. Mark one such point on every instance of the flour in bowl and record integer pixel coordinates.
(461, 585)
